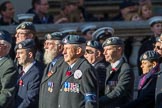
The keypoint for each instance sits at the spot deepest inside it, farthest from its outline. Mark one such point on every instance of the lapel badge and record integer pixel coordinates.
(78, 74)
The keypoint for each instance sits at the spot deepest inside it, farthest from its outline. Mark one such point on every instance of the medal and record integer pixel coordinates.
(50, 86)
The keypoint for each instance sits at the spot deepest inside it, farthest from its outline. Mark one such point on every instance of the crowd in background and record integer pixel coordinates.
(75, 11)
(71, 70)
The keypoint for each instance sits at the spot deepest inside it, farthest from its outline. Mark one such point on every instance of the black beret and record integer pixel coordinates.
(28, 43)
(74, 39)
(150, 55)
(54, 36)
(125, 4)
(26, 25)
(113, 41)
(5, 35)
(95, 44)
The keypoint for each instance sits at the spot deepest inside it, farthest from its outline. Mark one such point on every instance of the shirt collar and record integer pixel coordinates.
(28, 67)
(55, 60)
(114, 65)
(1, 58)
(71, 66)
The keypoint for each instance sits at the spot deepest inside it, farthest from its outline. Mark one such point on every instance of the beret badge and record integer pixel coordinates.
(23, 26)
(49, 36)
(144, 56)
(20, 46)
(88, 43)
(65, 41)
(108, 41)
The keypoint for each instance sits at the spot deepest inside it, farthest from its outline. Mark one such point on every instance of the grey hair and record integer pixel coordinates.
(6, 44)
(82, 46)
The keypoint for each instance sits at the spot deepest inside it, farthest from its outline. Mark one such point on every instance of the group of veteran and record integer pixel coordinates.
(78, 73)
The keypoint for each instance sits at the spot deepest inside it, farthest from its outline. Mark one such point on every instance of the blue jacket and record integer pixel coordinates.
(28, 87)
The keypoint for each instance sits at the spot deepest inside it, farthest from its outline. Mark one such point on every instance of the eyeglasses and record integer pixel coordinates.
(89, 51)
(157, 47)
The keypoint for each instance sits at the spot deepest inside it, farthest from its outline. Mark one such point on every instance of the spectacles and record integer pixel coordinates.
(157, 47)
(89, 51)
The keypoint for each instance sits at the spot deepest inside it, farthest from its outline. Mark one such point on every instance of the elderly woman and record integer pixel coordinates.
(147, 83)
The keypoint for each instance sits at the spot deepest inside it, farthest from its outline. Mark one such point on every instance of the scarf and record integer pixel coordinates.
(146, 76)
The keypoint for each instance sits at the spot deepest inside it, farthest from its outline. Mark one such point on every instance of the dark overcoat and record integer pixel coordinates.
(80, 88)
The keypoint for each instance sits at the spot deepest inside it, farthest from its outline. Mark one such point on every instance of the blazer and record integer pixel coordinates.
(28, 87)
(79, 87)
(8, 77)
(118, 86)
(50, 86)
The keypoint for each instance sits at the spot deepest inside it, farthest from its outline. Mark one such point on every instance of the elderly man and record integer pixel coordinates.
(79, 85)
(93, 54)
(8, 73)
(30, 75)
(119, 77)
(51, 81)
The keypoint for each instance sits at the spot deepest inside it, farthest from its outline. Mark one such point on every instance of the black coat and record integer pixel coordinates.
(50, 86)
(118, 86)
(146, 96)
(81, 92)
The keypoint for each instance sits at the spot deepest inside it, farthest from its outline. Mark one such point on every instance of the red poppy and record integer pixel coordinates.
(114, 69)
(68, 73)
(20, 82)
(49, 74)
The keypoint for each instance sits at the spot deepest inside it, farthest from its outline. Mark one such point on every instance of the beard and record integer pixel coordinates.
(49, 56)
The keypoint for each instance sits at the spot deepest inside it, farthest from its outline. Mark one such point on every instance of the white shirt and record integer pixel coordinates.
(28, 67)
